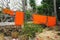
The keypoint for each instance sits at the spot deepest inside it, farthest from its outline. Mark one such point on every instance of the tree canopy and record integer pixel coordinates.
(46, 8)
(33, 5)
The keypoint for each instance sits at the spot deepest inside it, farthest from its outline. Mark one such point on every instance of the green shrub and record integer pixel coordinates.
(30, 29)
(28, 14)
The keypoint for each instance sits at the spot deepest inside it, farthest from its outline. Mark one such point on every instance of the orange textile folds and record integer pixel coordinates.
(7, 11)
(19, 18)
(10, 12)
(39, 19)
(35, 19)
(51, 21)
(42, 19)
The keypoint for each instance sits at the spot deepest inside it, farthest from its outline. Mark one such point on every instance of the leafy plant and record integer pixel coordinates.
(28, 14)
(30, 29)
(44, 9)
(40, 10)
(33, 5)
(49, 7)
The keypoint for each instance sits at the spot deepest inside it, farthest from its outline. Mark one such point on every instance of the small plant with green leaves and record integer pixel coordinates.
(31, 29)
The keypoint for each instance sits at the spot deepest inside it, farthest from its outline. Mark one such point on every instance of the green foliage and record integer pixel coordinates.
(40, 10)
(28, 14)
(30, 29)
(33, 5)
(46, 7)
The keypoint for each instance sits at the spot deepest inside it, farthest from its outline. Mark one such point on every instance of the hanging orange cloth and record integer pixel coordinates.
(51, 21)
(42, 19)
(39, 19)
(10, 12)
(7, 11)
(36, 19)
(19, 18)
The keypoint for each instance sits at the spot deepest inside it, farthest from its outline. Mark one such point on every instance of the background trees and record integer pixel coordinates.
(47, 6)
(33, 5)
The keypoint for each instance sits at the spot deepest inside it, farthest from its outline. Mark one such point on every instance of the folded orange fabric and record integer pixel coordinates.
(19, 18)
(51, 21)
(7, 11)
(39, 19)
